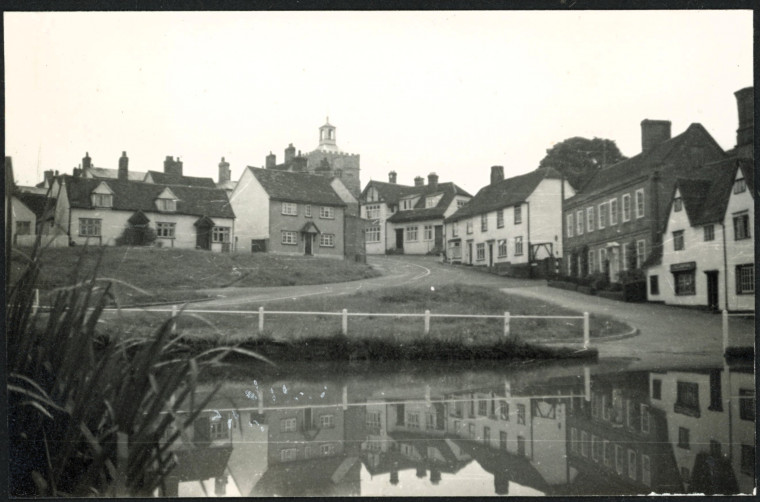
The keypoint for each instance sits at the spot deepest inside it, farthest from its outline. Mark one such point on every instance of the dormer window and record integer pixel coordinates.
(740, 185)
(677, 204)
(166, 205)
(102, 200)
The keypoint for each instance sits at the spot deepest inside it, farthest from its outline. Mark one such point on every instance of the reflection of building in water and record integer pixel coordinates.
(617, 442)
(710, 419)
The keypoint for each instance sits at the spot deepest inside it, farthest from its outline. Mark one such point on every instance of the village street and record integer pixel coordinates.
(665, 334)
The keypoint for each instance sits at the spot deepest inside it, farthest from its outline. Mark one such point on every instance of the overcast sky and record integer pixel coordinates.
(415, 92)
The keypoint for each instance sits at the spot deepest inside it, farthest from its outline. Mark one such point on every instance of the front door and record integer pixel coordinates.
(309, 241)
(203, 237)
(439, 237)
(712, 289)
(490, 254)
(399, 238)
(469, 253)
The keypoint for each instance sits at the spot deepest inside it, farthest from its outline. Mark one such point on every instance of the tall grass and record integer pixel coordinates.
(89, 416)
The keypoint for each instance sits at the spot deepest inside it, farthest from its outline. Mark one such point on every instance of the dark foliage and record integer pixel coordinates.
(578, 158)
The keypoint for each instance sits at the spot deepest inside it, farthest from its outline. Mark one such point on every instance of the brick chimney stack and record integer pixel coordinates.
(654, 132)
(271, 161)
(123, 167)
(224, 171)
(745, 101)
(86, 161)
(173, 167)
(290, 152)
(497, 174)
(392, 177)
(419, 181)
(433, 180)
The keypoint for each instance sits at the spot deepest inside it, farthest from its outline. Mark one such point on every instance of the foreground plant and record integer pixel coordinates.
(88, 416)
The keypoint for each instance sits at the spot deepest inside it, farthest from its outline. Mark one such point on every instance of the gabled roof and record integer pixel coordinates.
(505, 193)
(37, 203)
(136, 195)
(104, 172)
(305, 477)
(297, 187)
(390, 193)
(420, 212)
(160, 178)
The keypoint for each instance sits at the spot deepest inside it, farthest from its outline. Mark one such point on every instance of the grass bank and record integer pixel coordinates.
(176, 274)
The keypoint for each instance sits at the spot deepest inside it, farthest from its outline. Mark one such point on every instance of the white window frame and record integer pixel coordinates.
(166, 229)
(327, 449)
(579, 222)
(632, 462)
(327, 212)
(327, 240)
(646, 470)
(500, 218)
(289, 238)
(602, 258)
(644, 418)
(411, 233)
(484, 222)
(602, 219)
(641, 251)
(589, 219)
(624, 256)
(626, 203)
(220, 234)
(709, 235)
(745, 281)
(613, 203)
(90, 227)
(428, 232)
(288, 424)
(101, 200)
(372, 211)
(288, 454)
(502, 248)
(373, 234)
(166, 205)
(469, 226)
(327, 422)
(518, 246)
(455, 229)
(591, 260)
(569, 223)
(518, 214)
(480, 251)
(307, 210)
(640, 207)
(679, 242)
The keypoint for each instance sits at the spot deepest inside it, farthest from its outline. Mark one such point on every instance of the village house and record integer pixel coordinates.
(510, 224)
(289, 213)
(409, 219)
(613, 223)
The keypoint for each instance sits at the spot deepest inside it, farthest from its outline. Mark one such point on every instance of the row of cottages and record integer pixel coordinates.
(408, 219)
(510, 224)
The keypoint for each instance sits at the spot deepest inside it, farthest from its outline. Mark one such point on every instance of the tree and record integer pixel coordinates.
(578, 158)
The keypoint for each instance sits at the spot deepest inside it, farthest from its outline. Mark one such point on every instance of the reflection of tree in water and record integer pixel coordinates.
(713, 475)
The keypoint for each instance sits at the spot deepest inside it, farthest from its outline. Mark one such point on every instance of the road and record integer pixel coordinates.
(666, 334)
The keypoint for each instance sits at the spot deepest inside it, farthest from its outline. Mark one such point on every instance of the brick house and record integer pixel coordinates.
(614, 222)
(289, 213)
(409, 219)
(511, 223)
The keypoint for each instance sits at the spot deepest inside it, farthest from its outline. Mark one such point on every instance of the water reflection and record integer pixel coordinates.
(557, 431)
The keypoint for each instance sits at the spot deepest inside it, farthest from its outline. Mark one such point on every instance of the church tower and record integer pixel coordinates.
(329, 160)
(327, 137)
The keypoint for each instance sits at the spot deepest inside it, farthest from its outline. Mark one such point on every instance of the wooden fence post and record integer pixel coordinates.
(427, 322)
(725, 330)
(506, 325)
(345, 397)
(344, 323)
(174, 319)
(122, 460)
(586, 330)
(587, 383)
(36, 302)
(260, 396)
(261, 320)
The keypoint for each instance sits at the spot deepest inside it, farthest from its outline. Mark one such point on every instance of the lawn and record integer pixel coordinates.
(177, 274)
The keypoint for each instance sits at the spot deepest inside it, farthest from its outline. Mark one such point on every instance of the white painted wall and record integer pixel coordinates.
(379, 247)
(742, 251)
(250, 203)
(546, 214)
(419, 246)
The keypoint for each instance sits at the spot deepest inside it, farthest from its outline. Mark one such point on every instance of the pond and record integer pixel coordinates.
(598, 429)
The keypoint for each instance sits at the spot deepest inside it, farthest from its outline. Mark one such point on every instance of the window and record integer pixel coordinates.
(685, 283)
(654, 285)
(502, 248)
(521, 446)
(165, 230)
(411, 233)
(740, 186)
(89, 227)
(640, 203)
(619, 459)
(716, 391)
(307, 210)
(220, 234)
(406, 204)
(595, 443)
(373, 211)
(518, 246)
(327, 421)
(289, 208)
(327, 240)
(607, 452)
(613, 212)
(521, 414)
(430, 421)
(502, 440)
(373, 234)
(678, 240)
(632, 464)
(504, 411)
(461, 203)
(574, 439)
(413, 420)
(289, 237)
(327, 212)
(23, 228)
(747, 404)
(683, 438)
(455, 229)
(641, 251)
(656, 388)
(589, 219)
(431, 202)
(644, 418)
(646, 470)
(374, 420)
(741, 226)
(518, 214)
(288, 425)
(486, 434)
(500, 218)
(219, 430)
(569, 223)
(481, 248)
(627, 207)
(469, 226)
(579, 222)
(605, 408)
(602, 259)
(288, 454)
(709, 232)
(327, 449)
(584, 443)
(687, 398)
(591, 255)
(483, 222)
(624, 256)
(102, 200)
(471, 430)
(745, 279)
(602, 215)
(428, 232)
(748, 460)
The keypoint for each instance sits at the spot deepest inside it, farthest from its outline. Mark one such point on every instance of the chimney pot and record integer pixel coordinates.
(745, 101)
(392, 177)
(497, 174)
(123, 167)
(224, 171)
(271, 161)
(654, 132)
(419, 181)
(433, 180)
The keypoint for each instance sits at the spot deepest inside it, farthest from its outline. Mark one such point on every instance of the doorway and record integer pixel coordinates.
(439, 237)
(309, 244)
(469, 252)
(712, 289)
(400, 238)
(490, 254)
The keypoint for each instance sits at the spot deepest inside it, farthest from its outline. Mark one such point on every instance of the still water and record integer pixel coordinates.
(528, 430)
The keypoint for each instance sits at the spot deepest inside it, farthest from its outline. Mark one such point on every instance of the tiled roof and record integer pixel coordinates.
(297, 187)
(503, 194)
(420, 212)
(104, 172)
(37, 203)
(160, 178)
(390, 193)
(140, 196)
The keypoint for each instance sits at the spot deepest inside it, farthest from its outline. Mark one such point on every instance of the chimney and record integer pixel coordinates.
(433, 180)
(173, 167)
(290, 152)
(48, 177)
(224, 171)
(654, 132)
(497, 174)
(271, 161)
(86, 161)
(77, 172)
(392, 177)
(419, 181)
(124, 167)
(745, 101)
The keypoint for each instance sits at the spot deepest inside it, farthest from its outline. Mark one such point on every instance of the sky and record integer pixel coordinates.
(414, 92)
